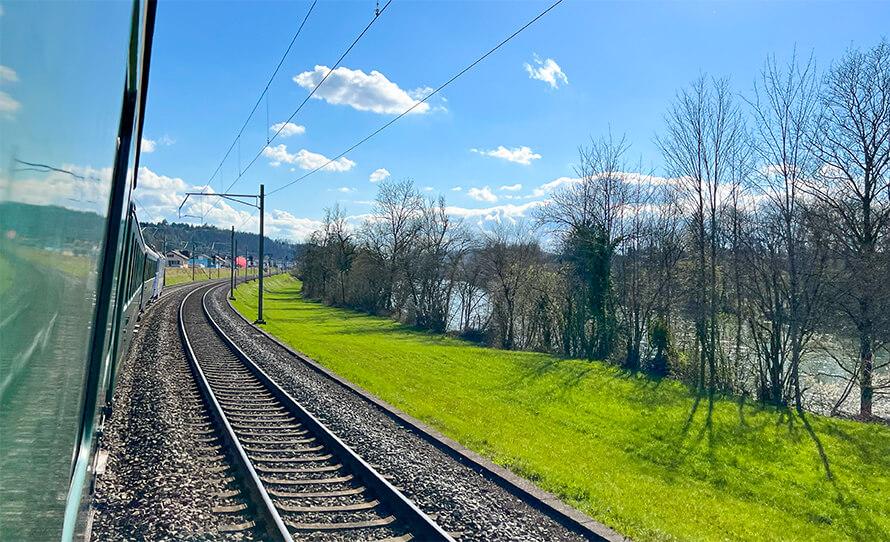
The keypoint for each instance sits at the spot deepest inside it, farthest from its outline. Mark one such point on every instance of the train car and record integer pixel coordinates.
(75, 272)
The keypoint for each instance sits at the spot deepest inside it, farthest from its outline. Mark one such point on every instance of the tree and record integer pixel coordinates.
(390, 233)
(508, 257)
(704, 135)
(587, 217)
(852, 142)
(786, 256)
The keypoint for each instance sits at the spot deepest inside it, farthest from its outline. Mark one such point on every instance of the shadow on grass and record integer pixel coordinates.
(818, 443)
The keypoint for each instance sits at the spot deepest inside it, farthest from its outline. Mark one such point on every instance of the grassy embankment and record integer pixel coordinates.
(647, 458)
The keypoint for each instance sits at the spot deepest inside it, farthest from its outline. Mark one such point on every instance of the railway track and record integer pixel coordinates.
(303, 482)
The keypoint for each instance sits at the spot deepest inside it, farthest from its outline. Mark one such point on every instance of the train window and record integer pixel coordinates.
(59, 122)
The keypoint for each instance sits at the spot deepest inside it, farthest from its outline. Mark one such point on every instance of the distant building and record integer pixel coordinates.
(201, 260)
(177, 259)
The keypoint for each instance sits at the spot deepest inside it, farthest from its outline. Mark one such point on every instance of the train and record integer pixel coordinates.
(75, 270)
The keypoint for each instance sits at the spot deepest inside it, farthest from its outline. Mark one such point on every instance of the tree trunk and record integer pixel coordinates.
(866, 390)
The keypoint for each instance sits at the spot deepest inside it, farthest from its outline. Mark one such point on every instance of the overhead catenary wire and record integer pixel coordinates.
(264, 92)
(377, 14)
(423, 100)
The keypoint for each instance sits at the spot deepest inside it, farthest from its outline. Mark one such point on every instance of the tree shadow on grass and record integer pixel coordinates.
(533, 367)
(683, 445)
(826, 464)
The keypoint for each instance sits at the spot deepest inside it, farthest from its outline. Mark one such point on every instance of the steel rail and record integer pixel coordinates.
(273, 523)
(422, 526)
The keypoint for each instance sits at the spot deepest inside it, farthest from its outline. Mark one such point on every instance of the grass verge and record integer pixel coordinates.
(647, 458)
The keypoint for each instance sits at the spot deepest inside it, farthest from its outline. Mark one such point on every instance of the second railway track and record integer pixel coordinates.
(303, 482)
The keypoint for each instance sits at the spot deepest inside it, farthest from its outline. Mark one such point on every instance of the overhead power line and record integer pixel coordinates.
(424, 99)
(264, 92)
(377, 14)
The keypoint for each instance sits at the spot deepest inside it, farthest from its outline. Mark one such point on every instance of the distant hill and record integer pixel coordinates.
(205, 239)
(53, 226)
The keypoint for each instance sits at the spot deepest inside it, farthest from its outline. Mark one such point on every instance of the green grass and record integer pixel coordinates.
(647, 458)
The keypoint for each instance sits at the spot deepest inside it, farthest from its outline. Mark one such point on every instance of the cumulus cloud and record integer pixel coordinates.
(8, 74)
(520, 155)
(378, 175)
(482, 194)
(82, 188)
(359, 90)
(287, 129)
(511, 187)
(8, 104)
(546, 70)
(548, 187)
(497, 213)
(305, 159)
(151, 145)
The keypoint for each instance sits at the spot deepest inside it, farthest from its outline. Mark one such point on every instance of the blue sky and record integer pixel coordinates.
(623, 62)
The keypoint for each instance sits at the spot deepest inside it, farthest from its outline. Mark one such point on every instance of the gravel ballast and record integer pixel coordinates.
(165, 477)
(459, 498)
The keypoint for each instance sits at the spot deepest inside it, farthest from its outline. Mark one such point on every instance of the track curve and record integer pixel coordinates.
(303, 481)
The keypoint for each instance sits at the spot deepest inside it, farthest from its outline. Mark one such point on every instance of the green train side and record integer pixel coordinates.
(75, 272)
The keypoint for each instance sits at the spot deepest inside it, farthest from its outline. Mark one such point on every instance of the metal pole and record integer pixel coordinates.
(259, 319)
(164, 275)
(232, 276)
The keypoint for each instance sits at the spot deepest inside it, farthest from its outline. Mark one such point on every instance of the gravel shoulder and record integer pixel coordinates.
(458, 497)
(163, 476)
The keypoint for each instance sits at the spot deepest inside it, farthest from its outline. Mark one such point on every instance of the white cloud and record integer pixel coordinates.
(82, 188)
(428, 188)
(546, 70)
(287, 129)
(158, 193)
(345, 189)
(8, 74)
(482, 194)
(457, 188)
(359, 90)
(378, 175)
(546, 188)
(8, 104)
(497, 213)
(520, 155)
(305, 159)
(284, 224)
(511, 187)
(151, 145)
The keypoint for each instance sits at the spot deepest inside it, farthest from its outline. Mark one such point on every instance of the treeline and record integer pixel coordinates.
(207, 239)
(769, 234)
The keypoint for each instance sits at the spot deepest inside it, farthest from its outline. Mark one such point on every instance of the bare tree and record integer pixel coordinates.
(790, 262)
(852, 142)
(509, 257)
(390, 233)
(704, 132)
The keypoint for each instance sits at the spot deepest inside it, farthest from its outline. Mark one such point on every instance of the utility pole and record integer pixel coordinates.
(232, 277)
(259, 318)
(259, 203)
